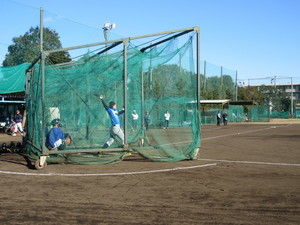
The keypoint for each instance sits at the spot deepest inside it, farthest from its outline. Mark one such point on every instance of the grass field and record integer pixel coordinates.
(245, 174)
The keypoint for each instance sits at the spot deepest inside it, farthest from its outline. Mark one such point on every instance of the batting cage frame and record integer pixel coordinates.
(38, 106)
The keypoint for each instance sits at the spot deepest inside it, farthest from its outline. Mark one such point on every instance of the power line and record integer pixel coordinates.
(19, 3)
(57, 15)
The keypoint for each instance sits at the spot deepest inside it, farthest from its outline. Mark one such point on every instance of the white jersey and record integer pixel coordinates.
(135, 116)
(167, 116)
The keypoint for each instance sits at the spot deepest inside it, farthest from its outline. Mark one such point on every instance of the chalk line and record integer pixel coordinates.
(107, 174)
(250, 162)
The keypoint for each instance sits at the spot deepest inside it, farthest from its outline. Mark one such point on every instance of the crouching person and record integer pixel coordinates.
(57, 140)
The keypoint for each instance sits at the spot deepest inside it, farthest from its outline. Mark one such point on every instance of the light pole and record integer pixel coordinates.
(106, 28)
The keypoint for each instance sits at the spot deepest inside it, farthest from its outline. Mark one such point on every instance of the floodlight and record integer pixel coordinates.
(106, 25)
(109, 26)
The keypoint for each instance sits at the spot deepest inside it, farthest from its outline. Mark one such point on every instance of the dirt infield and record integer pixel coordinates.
(245, 174)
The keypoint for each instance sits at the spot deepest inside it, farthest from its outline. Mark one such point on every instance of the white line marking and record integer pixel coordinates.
(245, 132)
(107, 174)
(216, 128)
(226, 135)
(249, 162)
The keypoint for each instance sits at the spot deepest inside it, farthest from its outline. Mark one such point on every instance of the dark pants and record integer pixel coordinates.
(147, 124)
(166, 123)
(134, 124)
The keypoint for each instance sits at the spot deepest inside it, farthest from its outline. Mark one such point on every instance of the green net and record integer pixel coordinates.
(282, 115)
(235, 114)
(12, 79)
(217, 82)
(210, 116)
(297, 112)
(258, 113)
(159, 79)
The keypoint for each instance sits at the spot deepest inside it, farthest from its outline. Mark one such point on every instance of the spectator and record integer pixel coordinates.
(225, 118)
(147, 120)
(167, 119)
(218, 118)
(135, 117)
(18, 125)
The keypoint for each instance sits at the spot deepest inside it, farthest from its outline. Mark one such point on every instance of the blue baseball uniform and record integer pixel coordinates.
(115, 129)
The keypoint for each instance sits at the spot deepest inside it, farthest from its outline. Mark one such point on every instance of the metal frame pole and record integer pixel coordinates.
(292, 98)
(150, 74)
(222, 87)
(121, 40)
(44, 150)
(143, 99)
(236, 85)
(106, 39)
(198, 68)
(125, 43)
(205, 81)
(198, 87)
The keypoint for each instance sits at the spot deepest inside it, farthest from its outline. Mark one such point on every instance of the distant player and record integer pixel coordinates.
(18, 123)
(167, 119)
(218, 118)
(147, 120)
(115, 130)
(135, 118)
(225, 118)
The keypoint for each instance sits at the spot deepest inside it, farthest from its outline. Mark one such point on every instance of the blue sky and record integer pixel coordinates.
(258, 38)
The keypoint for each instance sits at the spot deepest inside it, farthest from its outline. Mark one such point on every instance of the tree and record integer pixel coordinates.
(251, 93)
(157, 89)
(26, 47)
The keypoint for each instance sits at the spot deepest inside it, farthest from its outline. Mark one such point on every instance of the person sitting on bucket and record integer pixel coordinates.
(115, 129)
(56, 138)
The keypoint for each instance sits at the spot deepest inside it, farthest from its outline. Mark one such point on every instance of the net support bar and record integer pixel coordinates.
(43, 57)
(120, 40)
(165, 40)
(198, 69)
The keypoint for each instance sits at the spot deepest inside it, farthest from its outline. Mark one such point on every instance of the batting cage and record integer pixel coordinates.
(149, 79)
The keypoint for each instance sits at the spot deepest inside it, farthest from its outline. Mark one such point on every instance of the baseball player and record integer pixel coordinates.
(167, 119)
(56, 138)
(115, 130)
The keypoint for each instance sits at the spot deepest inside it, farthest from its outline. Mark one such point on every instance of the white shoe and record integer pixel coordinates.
(14, 135)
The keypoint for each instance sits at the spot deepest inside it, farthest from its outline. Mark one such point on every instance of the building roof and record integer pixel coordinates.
(250, 102)
(272, 85)
(220, 101)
